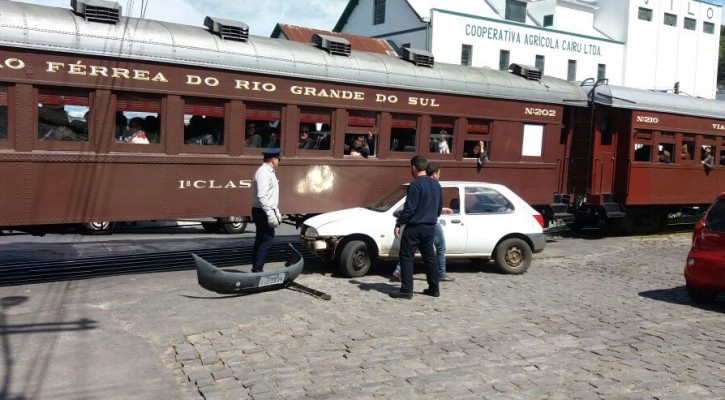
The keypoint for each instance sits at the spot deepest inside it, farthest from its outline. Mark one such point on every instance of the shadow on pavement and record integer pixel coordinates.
(678, 295)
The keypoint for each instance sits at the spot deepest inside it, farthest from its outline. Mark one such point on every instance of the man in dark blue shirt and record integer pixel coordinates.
(423, 205)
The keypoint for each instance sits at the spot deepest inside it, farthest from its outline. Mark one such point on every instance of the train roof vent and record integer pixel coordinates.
(333, 44)
(227, 29)
(527, 71)
(420, 58)
(97, 10)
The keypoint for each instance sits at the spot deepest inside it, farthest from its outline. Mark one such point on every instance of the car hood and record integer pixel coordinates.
(339, 222)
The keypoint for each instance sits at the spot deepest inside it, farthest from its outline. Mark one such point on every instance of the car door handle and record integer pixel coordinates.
(455, 221)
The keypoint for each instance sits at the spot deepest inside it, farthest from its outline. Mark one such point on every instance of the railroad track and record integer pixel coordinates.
(41, 271)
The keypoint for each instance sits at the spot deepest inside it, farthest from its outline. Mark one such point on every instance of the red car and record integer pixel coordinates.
(705, 267)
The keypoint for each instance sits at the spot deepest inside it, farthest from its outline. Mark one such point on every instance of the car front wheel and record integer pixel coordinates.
(355, 259)
(513, 256)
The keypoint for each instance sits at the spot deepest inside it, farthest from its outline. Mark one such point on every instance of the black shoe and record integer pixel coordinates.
(401, 295)
(446, 278)
(429, 292)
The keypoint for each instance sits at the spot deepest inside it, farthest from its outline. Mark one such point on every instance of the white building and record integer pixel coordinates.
(646, 44)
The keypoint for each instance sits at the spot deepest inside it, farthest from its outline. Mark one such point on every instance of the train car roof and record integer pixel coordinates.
(648, 100)
(30, 26)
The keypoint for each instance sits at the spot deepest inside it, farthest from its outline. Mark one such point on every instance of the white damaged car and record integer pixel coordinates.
(488, 221)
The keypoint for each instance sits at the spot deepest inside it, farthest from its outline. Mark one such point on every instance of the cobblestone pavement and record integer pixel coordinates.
(615, 323)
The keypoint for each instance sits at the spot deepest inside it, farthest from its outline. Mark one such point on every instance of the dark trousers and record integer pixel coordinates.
(414, 238)
(263, 239)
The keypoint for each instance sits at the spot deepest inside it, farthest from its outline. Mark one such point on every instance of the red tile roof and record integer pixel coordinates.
(358, 43)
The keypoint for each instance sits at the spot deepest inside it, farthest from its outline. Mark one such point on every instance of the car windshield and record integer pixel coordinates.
(715, 219)
(384, 203)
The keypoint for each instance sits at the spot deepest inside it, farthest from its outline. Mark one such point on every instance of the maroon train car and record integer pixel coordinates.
(638, 159)
(71, 80)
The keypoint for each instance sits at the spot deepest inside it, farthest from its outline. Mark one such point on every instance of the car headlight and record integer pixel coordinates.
(310, 232)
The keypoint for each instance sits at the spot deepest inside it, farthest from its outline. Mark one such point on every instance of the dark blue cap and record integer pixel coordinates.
(271, 153)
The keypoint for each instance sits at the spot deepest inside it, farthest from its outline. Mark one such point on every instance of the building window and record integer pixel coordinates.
(571, 71)
(539, 63)
(670, 19)
(690, 24)
(645, 14)
(708, 27)
(601, 71)
(503, 60)
(466, 54)
(548, 20)
(379, 12)
(516, 10)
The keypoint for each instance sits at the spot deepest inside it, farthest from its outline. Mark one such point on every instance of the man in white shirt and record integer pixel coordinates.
(265, 209)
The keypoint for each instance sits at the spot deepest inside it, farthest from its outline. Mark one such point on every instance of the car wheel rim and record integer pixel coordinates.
(514, 256)
(359, 260)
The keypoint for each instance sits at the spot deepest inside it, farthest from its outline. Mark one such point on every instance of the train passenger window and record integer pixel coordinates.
(403, 133)
(315, 129)
(722, 157)
(480, 150)
(263, 126)
(138, 119)
(642, 152)
(687, 150)
(665, 152)
(360, 145)
(478, 139)
(441, 135)
(62, 115)
(203, 122)
(533, 140)
(3, 113)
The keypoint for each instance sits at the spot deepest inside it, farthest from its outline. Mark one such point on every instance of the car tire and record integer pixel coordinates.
(355, 259)
(702, 296)
(234, 225)
(98, 227)
(212, 227)
(513, 256)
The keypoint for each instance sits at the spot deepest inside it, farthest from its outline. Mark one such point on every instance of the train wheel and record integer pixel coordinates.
(355, 259)
(513, 256)
(212, 227)
(98, 227)
(233, 224)
(702, 296)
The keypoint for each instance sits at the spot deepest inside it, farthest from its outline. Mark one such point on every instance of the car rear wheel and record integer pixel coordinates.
(702, 296)
(513, 256)
(355, 259)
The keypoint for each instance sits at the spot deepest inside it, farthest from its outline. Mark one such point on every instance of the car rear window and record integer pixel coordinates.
(715, 219)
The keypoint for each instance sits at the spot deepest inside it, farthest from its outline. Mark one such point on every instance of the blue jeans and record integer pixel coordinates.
(439, 242)
(414, 238)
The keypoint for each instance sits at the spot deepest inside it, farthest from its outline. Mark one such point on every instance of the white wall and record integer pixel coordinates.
(398, 17)
(488, 37)
(658, 55)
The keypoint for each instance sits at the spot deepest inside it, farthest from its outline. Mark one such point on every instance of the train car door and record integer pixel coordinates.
(603, 157)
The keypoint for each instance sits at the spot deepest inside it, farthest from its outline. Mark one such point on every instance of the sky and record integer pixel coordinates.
(260, 15)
